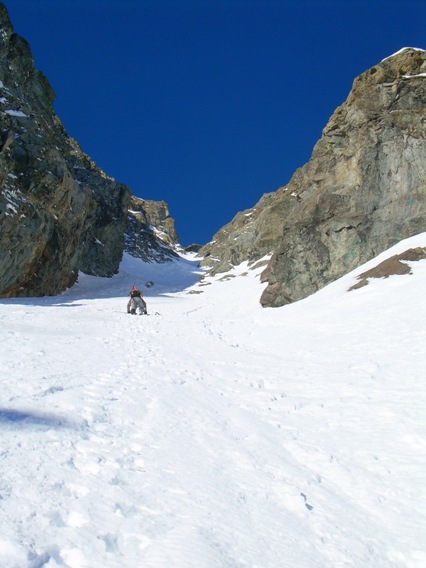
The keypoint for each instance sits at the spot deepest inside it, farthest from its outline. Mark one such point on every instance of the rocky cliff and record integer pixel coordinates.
(150, 233)
(363, 190)
(59, 213)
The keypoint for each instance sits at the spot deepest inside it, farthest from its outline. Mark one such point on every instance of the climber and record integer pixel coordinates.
(136, 301)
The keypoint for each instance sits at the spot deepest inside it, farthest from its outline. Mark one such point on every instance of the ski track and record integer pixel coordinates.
(181, 439)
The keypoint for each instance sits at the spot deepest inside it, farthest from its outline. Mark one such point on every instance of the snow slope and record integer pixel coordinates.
(214, 433)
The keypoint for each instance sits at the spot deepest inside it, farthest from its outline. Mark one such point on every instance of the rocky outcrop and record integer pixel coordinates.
(150, 233)
(363, 190)
(394, 266)
(194, 248)
(59, 213)
(251, 235)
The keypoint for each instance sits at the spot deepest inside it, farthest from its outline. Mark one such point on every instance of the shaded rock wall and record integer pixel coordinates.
(59, 213)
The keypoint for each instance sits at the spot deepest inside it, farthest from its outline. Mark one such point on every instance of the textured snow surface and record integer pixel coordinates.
(214, 433)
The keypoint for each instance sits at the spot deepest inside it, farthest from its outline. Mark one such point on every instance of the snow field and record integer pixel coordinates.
(214, 433)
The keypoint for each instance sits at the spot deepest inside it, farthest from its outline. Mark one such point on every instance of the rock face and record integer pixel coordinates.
(251, 235)
(363, 190)
(150, 233)
(59, 213)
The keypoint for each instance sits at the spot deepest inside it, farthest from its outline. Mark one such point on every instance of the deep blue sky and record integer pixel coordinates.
(207, 104)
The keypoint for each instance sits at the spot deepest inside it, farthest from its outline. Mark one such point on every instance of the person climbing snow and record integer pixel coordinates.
(136, 301)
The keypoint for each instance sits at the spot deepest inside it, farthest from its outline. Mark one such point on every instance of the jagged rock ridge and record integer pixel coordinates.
(363, 190)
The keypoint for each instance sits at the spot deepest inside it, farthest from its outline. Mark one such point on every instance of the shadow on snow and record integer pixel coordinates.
(153, 279)
(32, 418)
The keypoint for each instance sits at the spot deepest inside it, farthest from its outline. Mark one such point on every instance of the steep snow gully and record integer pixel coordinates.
(213, 433)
